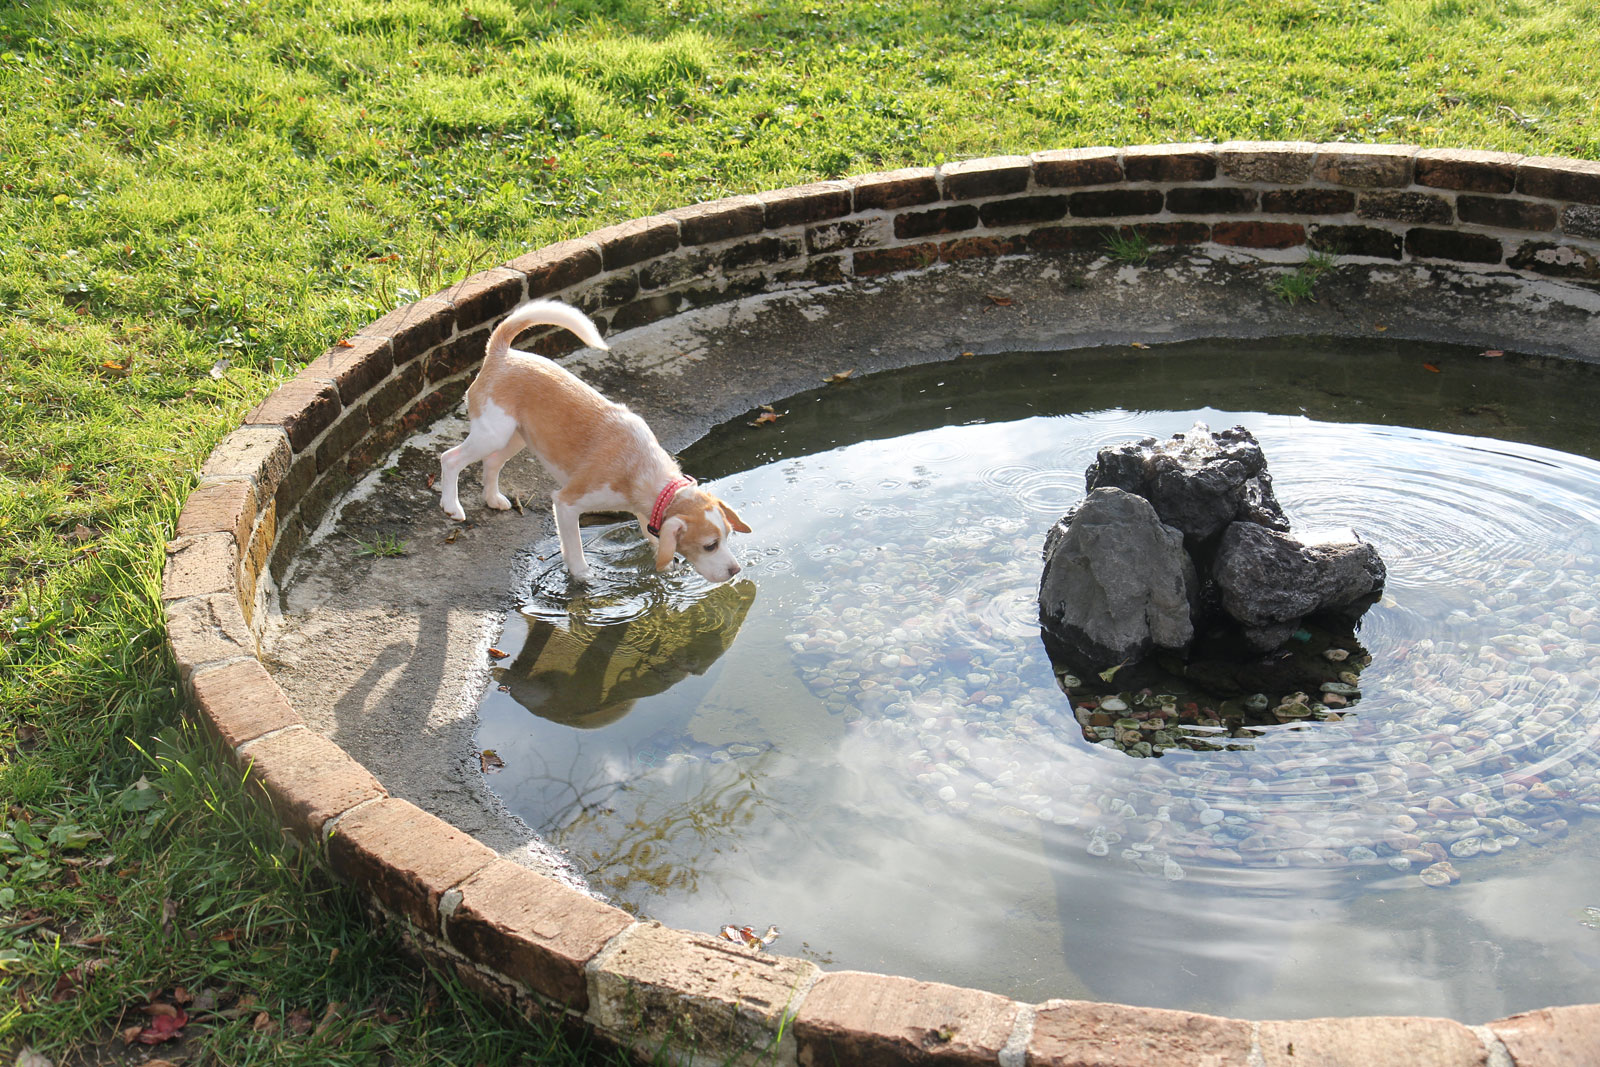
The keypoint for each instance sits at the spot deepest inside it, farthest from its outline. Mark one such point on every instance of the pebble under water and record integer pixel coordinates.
(861, 739)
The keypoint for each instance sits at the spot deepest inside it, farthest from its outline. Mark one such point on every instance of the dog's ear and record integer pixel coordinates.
(667, 545)
(733, 518)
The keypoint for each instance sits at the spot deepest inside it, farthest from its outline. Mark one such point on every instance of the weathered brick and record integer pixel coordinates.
(690, 265)
(1557, 261)
(1322, 202)
(982, 248)
(253, 558)
(207, 629)
(1067, 168)
(1405, 207)
(896, 189)
(260, 454)
(486, 295)
(653, 983)
(354, 367)
(850, 1019)
(220, 506)
(239, 702)
(1552, 1037)
(1174, 233)
(1113, 203)
(1170, 163)
(636, 240)
(1507, 213)
(973, 179)
(1210, 200)
(461, 353)
(1580, 220)
(1259, 234)
(1067, 238)
(1364, 166)
(308, 778)
(1023, 210)
(644, 311)
(1560, 179)
(395, 393)
(847, 233)
(719, 220)
(1080, 1034)
(291, 537)
(404, 857)
(413, 328)
(559, 266)
(913, 224)
(352, 427)
(1467, 170)
(304, 407)
(1452, 244)
(1357, 241)
(533, 929)
(805, 204)
(1278, 162)
(200, 565)
(329, 485)
(1394, 1041)
(760, 252)
(871, 262)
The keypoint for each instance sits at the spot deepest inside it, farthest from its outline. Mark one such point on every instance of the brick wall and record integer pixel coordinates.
(553, 951)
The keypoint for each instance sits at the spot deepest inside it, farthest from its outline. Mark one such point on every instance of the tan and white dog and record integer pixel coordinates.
(602, 455)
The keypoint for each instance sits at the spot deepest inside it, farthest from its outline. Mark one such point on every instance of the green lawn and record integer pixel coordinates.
(199, 197)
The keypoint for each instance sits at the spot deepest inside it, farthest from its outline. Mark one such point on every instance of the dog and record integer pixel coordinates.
(603, 456)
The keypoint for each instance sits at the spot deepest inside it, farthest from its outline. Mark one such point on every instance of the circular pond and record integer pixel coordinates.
(862, 741)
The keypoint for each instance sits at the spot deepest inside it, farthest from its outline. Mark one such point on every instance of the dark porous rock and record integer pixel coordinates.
(1269, 581)
(1116, 584)
(1198, 482)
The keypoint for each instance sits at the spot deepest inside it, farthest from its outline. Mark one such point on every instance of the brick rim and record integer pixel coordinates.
(266, 484)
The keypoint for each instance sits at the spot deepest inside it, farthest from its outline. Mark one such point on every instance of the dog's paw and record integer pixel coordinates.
(580, 574)
(457, 513)
(498, 502)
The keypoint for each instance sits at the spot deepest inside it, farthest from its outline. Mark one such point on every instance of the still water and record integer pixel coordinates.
(862, 741)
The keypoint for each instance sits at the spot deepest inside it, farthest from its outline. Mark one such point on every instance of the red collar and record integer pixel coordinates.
(664, 501)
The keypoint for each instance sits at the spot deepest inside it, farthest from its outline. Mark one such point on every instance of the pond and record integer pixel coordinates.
(861, 740)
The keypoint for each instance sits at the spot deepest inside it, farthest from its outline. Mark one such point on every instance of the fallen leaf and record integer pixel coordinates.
(329, 1016)
(841, 376)
(495, 653)
(230, 934)
(489, 760)
(84, 533)
(966, 355)
(130, 1034)
(1492, 353)
(181, 996)
(29, 1058)
(163, 1027)
(1111, 672)
(342, 342)
(1432, 368)
(219, 368)
(1138, 344)
(999, 301)
(299, 1021)
(169, 912)
(264, 1024)
(767, 416)
(430, 481)
(1380, 327)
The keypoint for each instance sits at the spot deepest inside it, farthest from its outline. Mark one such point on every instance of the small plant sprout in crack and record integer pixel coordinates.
(383, 546)
(1298, 284)
(1128, 246)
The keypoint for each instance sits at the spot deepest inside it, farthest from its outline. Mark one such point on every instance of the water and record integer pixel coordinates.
(861, 739)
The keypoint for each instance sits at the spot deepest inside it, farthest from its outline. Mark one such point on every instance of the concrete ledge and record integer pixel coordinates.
(554, 950)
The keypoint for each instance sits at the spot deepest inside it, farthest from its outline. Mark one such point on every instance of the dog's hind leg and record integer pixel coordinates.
(492, 465)
(488, 437)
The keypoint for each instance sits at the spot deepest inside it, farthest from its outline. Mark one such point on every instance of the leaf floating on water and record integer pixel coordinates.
(767, 416)
(1380, 327)
(489, 760)
(495, 653)
(842, 376)
(1111, 672)
(1492, 353)
(747, 936)
(1138, 344)
(1433, 367)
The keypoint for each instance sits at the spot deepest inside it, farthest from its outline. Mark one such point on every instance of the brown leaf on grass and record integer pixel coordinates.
(163, 1026)
(264, 1024)
(169, 912)
(330, 1015)
(299, 1021)
(71, 981)
(489, 760)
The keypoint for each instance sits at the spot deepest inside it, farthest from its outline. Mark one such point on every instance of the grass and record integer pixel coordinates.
(1299, 283)
(202, 195)
(1128, 246)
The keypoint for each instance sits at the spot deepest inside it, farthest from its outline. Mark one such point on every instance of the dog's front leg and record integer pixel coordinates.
(571, 541)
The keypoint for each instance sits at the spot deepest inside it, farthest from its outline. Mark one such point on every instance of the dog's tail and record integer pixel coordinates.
(541, 313)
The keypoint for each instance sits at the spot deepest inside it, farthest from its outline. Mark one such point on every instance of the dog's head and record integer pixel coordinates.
(698, 527)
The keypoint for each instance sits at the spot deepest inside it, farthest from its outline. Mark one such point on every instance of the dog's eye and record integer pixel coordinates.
(712, 547)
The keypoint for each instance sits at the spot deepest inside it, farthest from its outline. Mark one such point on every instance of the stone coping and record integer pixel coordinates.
(551, 951)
